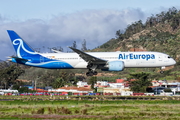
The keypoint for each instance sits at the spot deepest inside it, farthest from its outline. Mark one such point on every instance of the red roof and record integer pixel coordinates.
(41, 90)
(119, 80)
(76, 88)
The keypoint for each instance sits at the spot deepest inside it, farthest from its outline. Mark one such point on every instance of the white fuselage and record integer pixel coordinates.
(130, 59)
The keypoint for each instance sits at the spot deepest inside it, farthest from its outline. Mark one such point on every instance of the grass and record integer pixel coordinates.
(32, 108)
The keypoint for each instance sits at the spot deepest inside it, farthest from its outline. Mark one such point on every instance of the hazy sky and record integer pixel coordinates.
(54, 23)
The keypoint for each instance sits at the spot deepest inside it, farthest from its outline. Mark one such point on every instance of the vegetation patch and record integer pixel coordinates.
(85, 109)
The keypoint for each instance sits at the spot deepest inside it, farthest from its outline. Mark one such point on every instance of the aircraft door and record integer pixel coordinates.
(160, 57)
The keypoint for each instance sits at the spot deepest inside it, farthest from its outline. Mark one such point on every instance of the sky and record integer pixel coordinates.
(58, 23)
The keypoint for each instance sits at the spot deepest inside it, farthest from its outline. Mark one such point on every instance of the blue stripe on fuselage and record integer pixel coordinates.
(37, 60)
(51, 65)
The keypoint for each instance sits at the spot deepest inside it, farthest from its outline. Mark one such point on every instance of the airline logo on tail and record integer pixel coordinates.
(21, 48)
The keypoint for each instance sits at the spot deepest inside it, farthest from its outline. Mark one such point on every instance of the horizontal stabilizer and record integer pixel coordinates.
(17, 60)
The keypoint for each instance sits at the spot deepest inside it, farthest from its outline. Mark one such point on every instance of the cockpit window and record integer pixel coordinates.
(169, 57)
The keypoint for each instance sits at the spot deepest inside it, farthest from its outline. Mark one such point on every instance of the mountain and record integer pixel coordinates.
(159, 33)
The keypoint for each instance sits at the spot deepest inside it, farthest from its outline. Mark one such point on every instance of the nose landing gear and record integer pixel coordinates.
(162, 68)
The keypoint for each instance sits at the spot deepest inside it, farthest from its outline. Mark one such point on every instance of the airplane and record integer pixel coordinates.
(106, 61)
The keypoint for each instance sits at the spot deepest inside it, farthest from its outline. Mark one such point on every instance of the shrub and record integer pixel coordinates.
(84, 111)
(167, 90)
(76, 111)
(40, 111)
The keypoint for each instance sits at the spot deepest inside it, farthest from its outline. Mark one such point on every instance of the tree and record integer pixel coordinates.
(74, 45)
(57, 48)
(84, 45)
(64, 77)
(25, 90)
(140, 82)
(47, 78)
(9, 74)
(92, 81)
(59, 82)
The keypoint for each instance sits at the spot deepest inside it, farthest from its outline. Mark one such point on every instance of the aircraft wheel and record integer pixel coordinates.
(95, 73)
(89, 74)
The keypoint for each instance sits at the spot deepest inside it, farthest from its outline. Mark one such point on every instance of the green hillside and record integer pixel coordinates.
(160, 32)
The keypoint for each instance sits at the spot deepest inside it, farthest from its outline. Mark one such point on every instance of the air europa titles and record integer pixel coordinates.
(136, 56)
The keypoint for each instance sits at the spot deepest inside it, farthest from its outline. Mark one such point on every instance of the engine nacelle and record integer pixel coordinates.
(114, 66)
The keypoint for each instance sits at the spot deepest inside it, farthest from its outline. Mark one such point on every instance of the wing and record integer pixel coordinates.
(89, 58)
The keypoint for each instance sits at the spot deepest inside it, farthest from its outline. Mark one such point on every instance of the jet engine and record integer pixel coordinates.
(114, 66)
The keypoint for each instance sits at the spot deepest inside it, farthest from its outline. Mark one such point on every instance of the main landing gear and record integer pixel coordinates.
(92, 69)
(91, 73)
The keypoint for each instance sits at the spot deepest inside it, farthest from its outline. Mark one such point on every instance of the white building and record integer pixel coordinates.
(116, 85)
(81, 84)
(102, 83)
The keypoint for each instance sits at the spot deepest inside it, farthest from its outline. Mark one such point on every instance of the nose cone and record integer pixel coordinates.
(173, 62)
